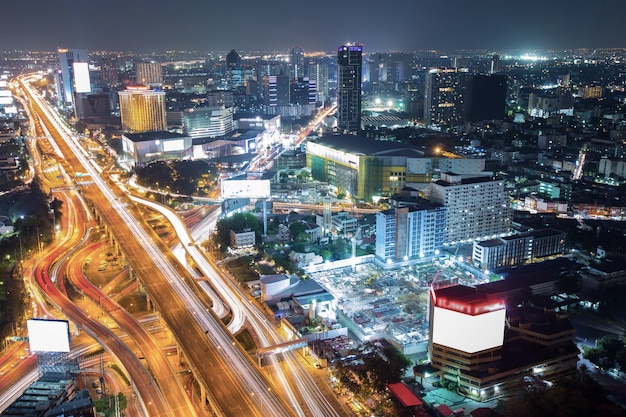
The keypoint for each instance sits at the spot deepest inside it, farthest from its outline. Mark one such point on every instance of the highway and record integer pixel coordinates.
(217, 360)
(293, 380)
(165, 377)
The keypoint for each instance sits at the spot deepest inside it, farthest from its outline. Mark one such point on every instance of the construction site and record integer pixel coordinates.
(374, 303)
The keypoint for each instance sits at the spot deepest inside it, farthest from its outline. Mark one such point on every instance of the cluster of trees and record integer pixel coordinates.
(179, 177)
(28, 212)
(12, 179)
(608, 353)
(377, 370)
(577, 396)
(106, 405)
(237, 222)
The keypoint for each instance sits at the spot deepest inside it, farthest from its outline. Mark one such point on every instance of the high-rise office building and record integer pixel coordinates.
(318, 72)
(73, 75)
(276, 90)
(93, 105)
(389, 67)
(149, 73)
(296, 62)
(217, 98)
(142, 109)
(232, 59)
(303, 91)
(444, 101)
(109, 69)
(477, 206)
(495, 64)
(486, 97)
(349, 74)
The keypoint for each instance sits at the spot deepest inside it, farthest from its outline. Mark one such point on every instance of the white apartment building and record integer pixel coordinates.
(409, 233)
(477, 207)
(243, 239)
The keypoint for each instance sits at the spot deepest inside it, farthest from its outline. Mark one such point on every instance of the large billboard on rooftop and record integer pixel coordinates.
(466, 332)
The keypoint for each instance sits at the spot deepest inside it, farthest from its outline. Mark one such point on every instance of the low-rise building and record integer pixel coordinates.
(344, 223)
(145, 147)
(518, 249)
(605, 274)
(243, 239)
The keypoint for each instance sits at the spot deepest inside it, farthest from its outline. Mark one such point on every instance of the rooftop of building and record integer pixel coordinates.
(361, 145)
(538, 320)
(155, 135)
(236, 135)
(467, 300)
(318, 297)
(238, 116)
(537, 270)
(610, 265)
(522, 354)
(270, 279)
(463, 180)
(541, 233)
(416, 204)
(490, 243)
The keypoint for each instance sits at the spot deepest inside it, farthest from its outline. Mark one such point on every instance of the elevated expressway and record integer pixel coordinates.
(228, 378)
(160, 393)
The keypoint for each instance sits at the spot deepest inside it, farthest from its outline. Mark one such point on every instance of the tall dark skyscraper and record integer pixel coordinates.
(486, 97)
(444, 101)
(349, 73)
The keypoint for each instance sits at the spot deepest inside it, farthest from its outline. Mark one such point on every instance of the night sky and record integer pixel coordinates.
(248, 25)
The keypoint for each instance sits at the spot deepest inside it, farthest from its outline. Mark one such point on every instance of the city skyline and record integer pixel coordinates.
(143, 26)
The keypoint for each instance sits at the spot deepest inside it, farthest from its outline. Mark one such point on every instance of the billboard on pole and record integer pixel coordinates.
(245, 189)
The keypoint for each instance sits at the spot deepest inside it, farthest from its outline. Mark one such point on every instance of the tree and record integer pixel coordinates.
(237, 222)
(606, 352)
(296, 229)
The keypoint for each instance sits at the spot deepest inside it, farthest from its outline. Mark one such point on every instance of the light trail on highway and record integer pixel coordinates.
(185, 313)
(317, 403)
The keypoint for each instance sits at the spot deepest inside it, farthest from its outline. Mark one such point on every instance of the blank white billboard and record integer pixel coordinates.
(173, 145)
(48, 335)
(246, 189)
(468, 333)
(82, 84)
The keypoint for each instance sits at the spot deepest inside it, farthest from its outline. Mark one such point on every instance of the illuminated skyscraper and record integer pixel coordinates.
(444, 102)
(276, 90)
(142, 109)
(149, 73)
(318, 72)
(349, 74)
(73, 75)
(296, 62)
